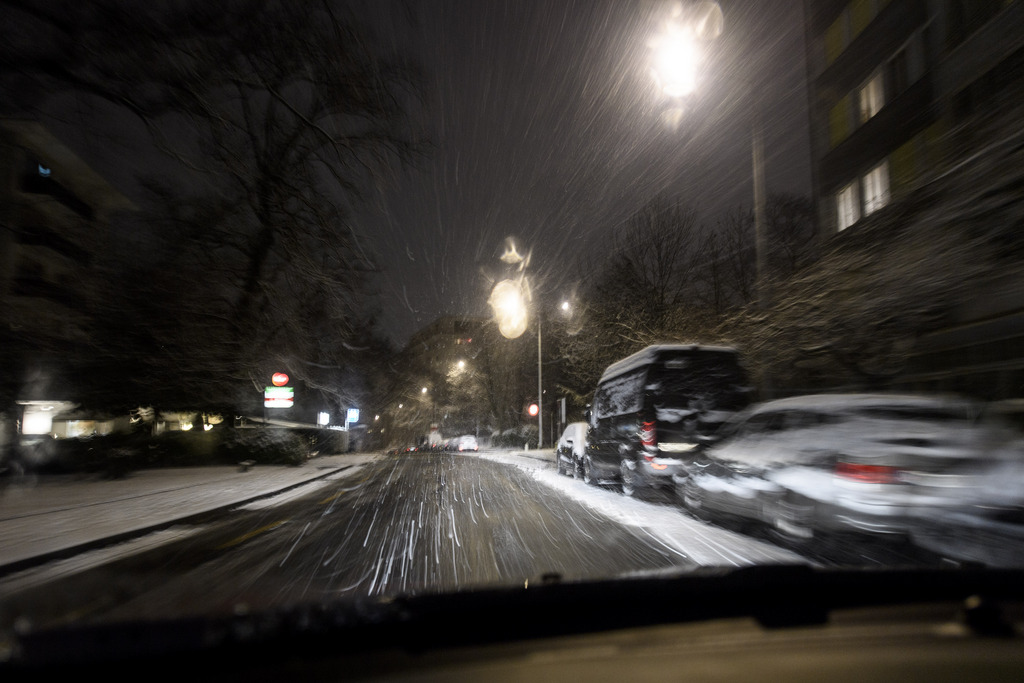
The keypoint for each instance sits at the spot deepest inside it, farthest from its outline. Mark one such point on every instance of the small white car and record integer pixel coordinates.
(572, 445)
(468, 443)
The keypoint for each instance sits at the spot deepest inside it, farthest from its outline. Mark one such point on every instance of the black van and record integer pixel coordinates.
(654, 411)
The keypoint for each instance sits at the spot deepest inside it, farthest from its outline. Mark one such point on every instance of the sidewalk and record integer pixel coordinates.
(545, 454)
(49, 518)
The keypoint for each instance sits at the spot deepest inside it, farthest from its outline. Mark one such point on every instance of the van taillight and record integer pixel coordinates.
(867, 474)
(648, 436)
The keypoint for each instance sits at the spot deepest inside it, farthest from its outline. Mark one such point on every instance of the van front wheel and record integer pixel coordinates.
(589, 476)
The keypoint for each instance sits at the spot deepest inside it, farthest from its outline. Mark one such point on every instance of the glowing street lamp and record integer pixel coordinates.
(677, 61)
(509, 303)
(678, 51)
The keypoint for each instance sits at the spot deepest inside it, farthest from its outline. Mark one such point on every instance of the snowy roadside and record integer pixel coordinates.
(694, 540)
(359, 462)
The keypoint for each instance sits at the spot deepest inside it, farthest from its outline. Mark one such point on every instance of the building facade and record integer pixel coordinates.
(904, 93)
(54, 209)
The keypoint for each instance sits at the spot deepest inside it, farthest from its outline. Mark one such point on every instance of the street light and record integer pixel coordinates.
(508, 300)
(678, 56)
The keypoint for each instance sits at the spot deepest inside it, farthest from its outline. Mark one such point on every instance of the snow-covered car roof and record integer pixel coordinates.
(650, 354)
(844, 402)
(575, 428)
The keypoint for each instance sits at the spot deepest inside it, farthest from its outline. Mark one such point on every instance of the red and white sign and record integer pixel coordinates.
(279, 379)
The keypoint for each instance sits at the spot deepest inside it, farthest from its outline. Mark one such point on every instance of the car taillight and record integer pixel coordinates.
(649, 438)
(867, 474)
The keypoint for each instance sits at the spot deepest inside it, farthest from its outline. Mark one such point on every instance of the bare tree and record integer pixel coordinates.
(645, 291)
(278, 116)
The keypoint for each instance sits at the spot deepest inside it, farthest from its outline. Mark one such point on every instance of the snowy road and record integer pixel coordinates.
(401, 524)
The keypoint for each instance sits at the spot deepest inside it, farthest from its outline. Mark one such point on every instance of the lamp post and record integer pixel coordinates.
(677, 61)
(540, 392)
(508, 301)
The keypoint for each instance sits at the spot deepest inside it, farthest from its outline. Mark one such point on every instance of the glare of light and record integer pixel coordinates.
(565, 306)
(323, 418)
(376, 417)
(461, 364)
(186, 426)
(400, 405)
(509, 306)
(423, 390)
(207, 427)
(513, 257)
(677, 61)
(36, 422)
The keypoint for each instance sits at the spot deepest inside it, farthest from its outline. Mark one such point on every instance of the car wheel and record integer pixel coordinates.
(693, 499)
(589, 476)
(792, 518)
(559, 464)
(628, 478)
(577, 467)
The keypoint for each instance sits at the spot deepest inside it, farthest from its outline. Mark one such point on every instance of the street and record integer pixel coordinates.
(422, 522)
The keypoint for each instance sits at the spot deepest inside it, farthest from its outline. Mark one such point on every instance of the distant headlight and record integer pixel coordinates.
(676, 447)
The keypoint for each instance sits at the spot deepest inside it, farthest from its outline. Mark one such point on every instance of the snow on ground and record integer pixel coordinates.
(693, 539)
(37, 576)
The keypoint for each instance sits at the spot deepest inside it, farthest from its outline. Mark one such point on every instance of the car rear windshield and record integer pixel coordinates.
(703, 381)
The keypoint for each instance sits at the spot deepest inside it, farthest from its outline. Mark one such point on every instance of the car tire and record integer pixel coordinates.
(559, 464)
(692, 497)
(791, 518)
(628, 478)
(589, 476)
(577, 467)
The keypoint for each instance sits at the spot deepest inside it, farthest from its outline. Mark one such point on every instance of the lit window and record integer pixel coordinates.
(847, 206)
(876, 188)
(871, 97)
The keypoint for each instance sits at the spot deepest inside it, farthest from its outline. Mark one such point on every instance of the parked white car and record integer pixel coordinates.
(848, 462)
(572, 446)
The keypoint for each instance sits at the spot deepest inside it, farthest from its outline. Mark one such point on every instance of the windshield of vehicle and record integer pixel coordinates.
(297, 300)
(712, 381)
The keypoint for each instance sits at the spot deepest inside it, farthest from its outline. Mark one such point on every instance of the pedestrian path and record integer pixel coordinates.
(47, 518)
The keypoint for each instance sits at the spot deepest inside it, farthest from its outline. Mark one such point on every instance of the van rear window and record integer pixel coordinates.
(701, 381)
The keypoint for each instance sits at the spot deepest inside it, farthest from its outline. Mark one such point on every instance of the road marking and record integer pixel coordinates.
(255, 532)
(329, 499)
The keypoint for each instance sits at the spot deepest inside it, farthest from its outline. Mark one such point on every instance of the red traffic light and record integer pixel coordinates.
(279, 379)
(533, 410)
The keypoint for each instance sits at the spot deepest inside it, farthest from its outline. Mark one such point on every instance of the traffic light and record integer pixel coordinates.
(533, 410)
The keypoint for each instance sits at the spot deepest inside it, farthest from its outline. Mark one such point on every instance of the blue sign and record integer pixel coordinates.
(353, 415)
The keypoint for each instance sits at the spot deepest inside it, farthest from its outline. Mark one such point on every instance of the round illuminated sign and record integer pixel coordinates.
(279, 379)
(533, 410)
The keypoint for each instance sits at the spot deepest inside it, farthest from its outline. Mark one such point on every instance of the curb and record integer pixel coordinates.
(194, 518)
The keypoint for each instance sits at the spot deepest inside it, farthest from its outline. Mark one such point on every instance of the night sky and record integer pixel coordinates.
(546, 126)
